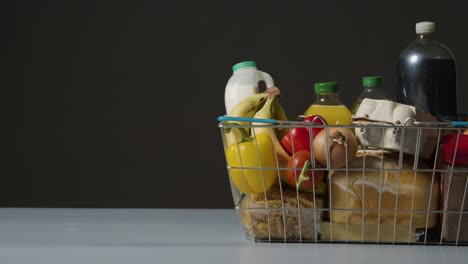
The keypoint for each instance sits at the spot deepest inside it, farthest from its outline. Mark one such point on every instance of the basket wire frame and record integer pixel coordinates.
(415, 235)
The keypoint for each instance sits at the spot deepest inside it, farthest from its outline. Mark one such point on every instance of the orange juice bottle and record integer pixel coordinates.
(328, 105)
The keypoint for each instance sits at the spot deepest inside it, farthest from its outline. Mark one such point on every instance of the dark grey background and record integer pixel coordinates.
(115, 104)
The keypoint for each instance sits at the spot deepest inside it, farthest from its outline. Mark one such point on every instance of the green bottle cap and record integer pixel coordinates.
(326, 87)
(372, 81)
(244, 64)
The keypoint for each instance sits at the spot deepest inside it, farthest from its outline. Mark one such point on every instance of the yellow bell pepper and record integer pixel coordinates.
(245, 154)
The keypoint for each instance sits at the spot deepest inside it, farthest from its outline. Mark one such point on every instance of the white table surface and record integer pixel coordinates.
(175, 236)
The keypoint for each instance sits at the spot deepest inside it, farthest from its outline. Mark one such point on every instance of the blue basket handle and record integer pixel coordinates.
(459, 123)
(274, 121)
(246, 119)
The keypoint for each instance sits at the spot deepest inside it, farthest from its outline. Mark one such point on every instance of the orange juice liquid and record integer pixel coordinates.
(333, 114)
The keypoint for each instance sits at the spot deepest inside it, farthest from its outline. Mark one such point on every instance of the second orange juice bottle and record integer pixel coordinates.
(328, 105)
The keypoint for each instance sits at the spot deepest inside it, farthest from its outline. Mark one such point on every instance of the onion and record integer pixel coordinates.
(339, 140)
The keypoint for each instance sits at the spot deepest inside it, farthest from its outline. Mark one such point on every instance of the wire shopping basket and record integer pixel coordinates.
(406, 184)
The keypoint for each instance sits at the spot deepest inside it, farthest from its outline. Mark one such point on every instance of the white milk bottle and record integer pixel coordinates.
(243, 83)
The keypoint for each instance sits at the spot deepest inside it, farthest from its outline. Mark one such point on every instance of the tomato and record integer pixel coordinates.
(309, 178)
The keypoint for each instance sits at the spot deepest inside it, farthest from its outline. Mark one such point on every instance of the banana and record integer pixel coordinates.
(250, 105)
(280, 114)
(245, 108)
(268, 111)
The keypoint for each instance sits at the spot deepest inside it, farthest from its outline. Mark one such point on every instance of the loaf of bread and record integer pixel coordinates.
(387, 233)
(380, 190)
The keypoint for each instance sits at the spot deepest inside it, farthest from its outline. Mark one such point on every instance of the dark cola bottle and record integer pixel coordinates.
(427, 76)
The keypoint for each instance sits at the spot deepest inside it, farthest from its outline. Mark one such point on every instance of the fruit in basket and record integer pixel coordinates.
(280, 114)
(339, 142)
(246, 108)
(298, 138)
(301, 177)
(256, 153)
(268, 112)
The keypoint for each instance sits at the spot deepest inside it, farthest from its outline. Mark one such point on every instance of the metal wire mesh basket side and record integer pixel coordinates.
(398, 192)
(283, 216)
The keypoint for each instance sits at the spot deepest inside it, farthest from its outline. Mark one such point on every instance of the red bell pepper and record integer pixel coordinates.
(298, 138)
(461, 153)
